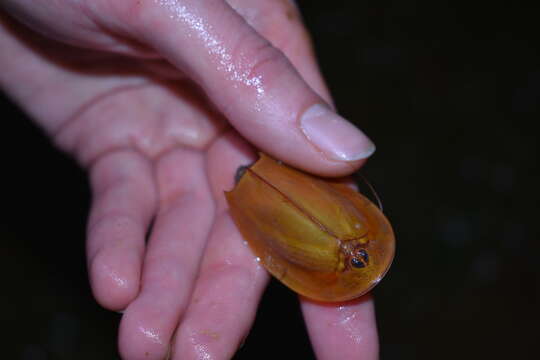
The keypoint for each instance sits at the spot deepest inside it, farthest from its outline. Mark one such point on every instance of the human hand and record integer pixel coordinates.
(138, 92)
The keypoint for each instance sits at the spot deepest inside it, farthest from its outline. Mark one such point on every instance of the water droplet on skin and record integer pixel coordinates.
(238, 72)
(151, 334)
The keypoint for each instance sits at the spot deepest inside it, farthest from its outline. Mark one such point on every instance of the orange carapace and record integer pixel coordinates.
(318, 236)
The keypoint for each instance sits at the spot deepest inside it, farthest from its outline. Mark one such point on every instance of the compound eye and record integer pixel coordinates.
(357, 263)
(360, 259)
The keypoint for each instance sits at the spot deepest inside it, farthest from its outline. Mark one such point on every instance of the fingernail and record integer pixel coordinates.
(335, 136)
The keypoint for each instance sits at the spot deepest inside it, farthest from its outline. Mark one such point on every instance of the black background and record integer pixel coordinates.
(449, 94)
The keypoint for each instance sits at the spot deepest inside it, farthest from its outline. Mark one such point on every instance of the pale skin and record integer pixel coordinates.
(112, 82)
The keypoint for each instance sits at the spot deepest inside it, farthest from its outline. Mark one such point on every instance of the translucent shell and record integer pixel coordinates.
(317, 236)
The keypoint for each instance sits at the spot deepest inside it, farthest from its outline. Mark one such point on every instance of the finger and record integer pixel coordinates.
(172, 259)
(122, 207)
(69, 22)
(231, 281)
(250, 81)
(280, 23)
(344, 331)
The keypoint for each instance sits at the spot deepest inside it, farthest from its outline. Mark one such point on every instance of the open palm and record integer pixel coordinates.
(152, 127)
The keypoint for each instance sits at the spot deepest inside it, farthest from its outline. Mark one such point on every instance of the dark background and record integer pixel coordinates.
(449, 94)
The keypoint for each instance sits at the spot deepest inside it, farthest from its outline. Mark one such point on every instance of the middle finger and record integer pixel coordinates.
(172, 260)
(231, 281)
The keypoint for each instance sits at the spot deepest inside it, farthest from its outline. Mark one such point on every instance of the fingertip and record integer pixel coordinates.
(317, 164)
(337, 138)
(114, 286)
(138, 339)
(344, 330)
(329, 145)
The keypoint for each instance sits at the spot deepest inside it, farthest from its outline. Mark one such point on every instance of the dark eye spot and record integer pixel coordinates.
(357, 263)
(360, 259)
(364, 255)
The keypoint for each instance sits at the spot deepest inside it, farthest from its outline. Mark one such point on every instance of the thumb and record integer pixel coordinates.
(252, 83)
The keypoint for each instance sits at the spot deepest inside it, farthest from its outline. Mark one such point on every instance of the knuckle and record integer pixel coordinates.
(269, 59)
(112, 230)
(265, 62)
